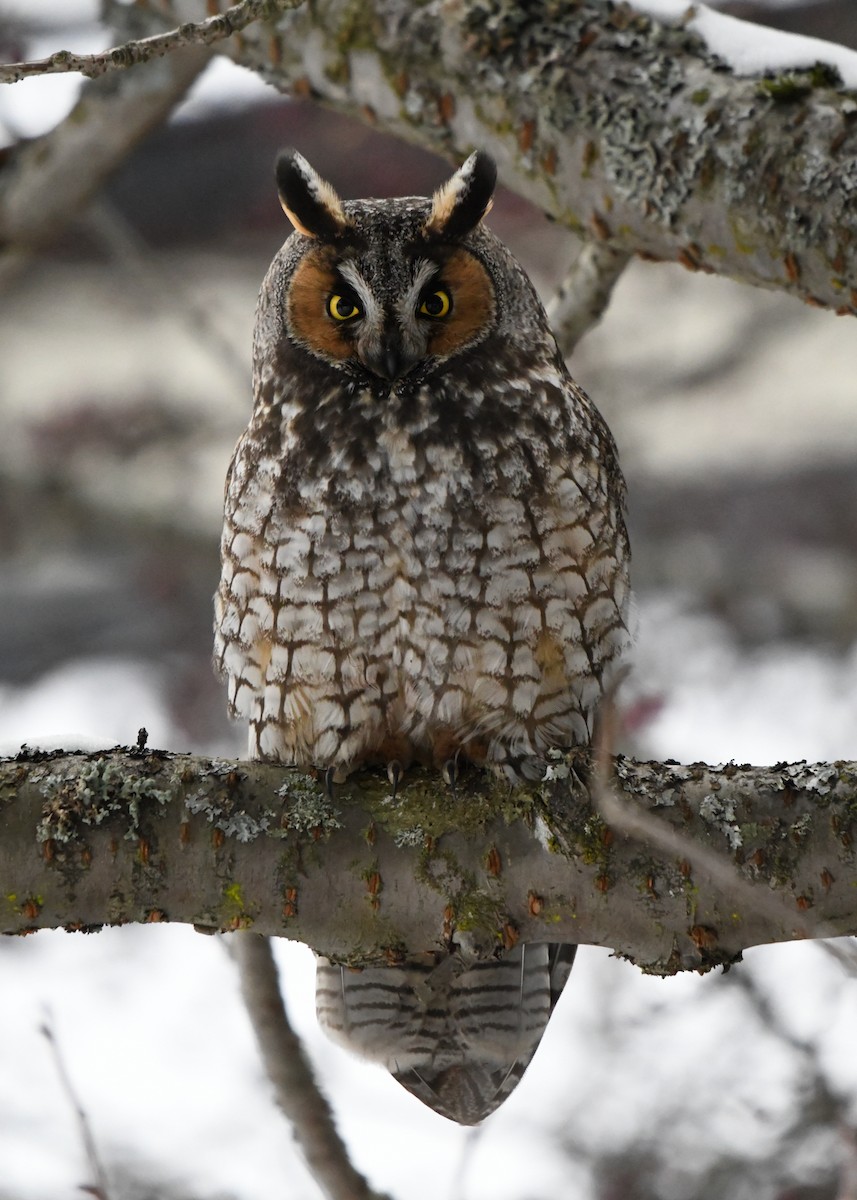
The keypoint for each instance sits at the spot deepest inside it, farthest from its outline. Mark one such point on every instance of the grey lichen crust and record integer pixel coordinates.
(90, 793)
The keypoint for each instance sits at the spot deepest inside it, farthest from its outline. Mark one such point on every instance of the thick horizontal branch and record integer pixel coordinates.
(92, 839)
(629, 131)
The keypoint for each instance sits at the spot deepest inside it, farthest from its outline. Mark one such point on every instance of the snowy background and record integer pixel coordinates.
(124, 359)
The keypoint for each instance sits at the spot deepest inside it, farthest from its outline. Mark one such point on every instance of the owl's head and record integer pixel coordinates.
(386, 290)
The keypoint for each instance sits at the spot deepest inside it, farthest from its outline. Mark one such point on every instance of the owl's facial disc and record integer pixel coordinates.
(426, 311)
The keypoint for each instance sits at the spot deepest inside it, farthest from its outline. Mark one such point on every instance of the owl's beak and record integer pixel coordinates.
(389, 359)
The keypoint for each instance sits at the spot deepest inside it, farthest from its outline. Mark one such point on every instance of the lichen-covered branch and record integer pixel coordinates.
(90, 839)
(629, 131)
(624, 129)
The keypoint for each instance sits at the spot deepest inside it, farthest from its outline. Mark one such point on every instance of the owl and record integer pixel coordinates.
(424, 561)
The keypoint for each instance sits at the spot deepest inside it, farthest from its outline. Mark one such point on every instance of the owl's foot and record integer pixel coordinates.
(329, 781)
(395, 771)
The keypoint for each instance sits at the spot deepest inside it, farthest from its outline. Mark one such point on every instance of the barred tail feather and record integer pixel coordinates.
(460, 1043)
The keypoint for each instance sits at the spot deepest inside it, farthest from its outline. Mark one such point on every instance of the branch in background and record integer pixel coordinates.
(290, 1072)
(99, 1188)
(47, 181)
(582, 298)
(89, 839)
(131, 53)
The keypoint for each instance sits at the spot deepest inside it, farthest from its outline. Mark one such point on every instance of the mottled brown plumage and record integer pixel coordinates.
(424, 553)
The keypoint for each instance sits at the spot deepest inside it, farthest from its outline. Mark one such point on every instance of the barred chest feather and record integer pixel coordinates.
(396, 589)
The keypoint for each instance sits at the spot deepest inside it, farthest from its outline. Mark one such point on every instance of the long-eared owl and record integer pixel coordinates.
(424, 561)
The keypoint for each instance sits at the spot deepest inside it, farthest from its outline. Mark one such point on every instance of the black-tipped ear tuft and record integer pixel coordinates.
(310, 203)
(460, 204)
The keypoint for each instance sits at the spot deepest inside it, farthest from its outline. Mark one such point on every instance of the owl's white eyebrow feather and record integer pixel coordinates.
(352, 276)
(426, 271)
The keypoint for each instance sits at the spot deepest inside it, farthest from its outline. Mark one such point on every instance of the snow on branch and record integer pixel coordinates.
(749, 855)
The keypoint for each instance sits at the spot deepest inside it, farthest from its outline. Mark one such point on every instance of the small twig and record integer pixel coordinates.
(582, 298)
(204, 33)
(99, 1188)
(289, 1071)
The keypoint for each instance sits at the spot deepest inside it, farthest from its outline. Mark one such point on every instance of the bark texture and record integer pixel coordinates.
(626, 130)
(94, 839)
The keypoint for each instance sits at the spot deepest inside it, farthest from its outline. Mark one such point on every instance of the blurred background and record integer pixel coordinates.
(124, 383)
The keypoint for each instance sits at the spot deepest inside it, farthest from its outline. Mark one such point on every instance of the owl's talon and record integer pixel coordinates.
(450, 773)
(329, 781)
(394, 774)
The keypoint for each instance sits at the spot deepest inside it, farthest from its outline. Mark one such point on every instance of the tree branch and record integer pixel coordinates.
(90, 839)
(622, 128)
(582, 298)
(129, 54)
(629, 131)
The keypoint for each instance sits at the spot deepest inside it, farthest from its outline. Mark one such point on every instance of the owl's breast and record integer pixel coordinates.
(428, 600)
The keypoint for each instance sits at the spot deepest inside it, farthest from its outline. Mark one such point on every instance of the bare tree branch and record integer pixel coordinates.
(99, 1188)
(90, 839)
(129, 54)
(290, 1073)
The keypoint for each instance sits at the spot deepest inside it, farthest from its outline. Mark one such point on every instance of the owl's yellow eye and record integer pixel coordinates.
(343, 308)
(435, 305)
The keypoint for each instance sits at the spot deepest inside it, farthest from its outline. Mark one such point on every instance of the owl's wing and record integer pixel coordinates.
(460, 1044)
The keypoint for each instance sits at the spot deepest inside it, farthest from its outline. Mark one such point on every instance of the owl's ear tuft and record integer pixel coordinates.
(309, 202)
(460, 204)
